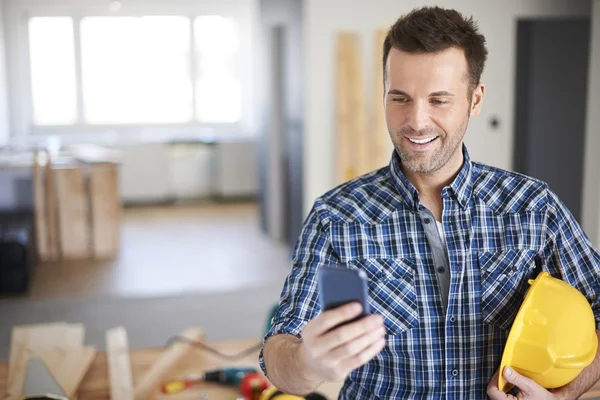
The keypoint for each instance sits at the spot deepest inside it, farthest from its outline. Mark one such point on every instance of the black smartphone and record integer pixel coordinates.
(339, 286)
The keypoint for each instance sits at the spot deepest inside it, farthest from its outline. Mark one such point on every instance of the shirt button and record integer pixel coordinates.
(441, 270)
(453, 319)
(427, 220)
(454, 372)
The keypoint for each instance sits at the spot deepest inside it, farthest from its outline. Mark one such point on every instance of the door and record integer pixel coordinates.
(550, 114)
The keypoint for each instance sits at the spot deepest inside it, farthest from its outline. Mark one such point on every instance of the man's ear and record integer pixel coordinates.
(477, 99)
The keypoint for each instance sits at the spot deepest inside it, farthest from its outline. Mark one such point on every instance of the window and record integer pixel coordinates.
(52, 55)
(218, 96)
(135, 70)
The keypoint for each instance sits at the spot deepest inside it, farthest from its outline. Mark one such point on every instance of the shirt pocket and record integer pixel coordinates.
(392, 291)
(504, 276)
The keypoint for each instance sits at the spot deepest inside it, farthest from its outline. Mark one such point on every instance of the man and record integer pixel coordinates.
(448, 245)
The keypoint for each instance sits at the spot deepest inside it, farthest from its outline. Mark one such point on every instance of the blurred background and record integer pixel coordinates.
(158, 157)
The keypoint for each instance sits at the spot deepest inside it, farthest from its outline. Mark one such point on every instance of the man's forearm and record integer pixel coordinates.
(588, 377)
(285, 366)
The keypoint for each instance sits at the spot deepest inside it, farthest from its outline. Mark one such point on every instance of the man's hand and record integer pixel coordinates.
(528, 389)
(332, 355)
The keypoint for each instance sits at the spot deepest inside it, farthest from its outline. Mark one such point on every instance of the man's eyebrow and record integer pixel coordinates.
(398, 92)
(441, 93)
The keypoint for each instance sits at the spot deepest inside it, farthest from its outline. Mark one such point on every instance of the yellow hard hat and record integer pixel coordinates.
(272, 393)
(553, 337)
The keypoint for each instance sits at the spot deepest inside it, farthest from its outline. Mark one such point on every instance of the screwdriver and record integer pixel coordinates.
(227, 376)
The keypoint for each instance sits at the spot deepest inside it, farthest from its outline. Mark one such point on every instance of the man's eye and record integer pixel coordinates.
(435, 101)
(399, 100)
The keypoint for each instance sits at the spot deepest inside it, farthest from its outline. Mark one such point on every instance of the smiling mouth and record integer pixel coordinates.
(423, 141)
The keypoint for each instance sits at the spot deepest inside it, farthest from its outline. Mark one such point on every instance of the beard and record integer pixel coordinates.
(430, 161)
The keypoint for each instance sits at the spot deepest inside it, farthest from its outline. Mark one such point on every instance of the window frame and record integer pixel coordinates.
(19, 70)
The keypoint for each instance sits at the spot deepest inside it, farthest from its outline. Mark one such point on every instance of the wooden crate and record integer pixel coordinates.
(77, 206)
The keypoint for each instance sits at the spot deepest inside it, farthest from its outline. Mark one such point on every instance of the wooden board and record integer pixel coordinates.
(44, 216)
(67, 365)
(74, 336)
(73, 216)
(28, 339)
(53, 234)
(351, 138)
(119, 365)
(39, 201)
(166, 364)
(382, 146)
(105, 209)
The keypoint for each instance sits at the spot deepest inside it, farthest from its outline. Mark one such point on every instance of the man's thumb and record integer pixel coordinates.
(516, 379)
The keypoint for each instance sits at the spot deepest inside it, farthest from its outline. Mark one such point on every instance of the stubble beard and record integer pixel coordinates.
(424, 163)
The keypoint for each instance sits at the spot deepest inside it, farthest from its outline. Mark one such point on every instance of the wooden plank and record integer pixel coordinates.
(23, 335)
(382, 146)
(67, 365)
(73, 216)
(119, 365)
(105, 209)
(39, 201)
(44, 207)
(352, 144)
(45, 335)
(24, 340)
(17, 365)
(53, 234)
(166, 364)
(29, 339)
(74, 336)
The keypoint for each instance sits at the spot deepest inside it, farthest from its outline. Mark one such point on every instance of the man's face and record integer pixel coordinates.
(427, 107)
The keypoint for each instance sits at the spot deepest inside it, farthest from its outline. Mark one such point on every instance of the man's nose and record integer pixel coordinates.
(418, 117)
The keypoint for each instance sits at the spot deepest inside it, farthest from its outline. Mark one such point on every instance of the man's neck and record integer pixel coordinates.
(430, 186)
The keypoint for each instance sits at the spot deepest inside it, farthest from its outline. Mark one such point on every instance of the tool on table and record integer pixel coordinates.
(39, 382)
(227, 376)
(253, 384)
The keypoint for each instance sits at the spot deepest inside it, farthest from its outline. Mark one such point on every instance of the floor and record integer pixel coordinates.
(205, 265)
(171, 250)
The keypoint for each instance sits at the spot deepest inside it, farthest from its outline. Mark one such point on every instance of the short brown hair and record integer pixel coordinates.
(434, 29)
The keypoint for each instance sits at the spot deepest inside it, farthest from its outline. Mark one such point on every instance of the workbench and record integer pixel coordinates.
(95, 385)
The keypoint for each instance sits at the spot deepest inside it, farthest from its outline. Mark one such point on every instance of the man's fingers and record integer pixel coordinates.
(494, 393)
(493, 383)
(348, 333)
(329, 319)
(364, 356)
(357, 345)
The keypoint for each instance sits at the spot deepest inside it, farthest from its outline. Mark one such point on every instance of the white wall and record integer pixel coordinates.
(4, 118)
(591, 188)
(497, 21)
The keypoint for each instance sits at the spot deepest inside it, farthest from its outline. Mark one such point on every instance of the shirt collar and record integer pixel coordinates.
(461, 187)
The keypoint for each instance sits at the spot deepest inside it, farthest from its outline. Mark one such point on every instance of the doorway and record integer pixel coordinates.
(551, 99)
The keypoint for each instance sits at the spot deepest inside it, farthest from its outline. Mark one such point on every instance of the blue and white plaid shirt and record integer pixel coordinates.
(501, 229)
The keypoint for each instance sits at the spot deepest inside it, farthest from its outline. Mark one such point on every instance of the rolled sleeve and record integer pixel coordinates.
(570, 254)
(299, 301)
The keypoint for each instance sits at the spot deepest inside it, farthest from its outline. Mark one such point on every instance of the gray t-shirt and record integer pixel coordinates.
(439, 248)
